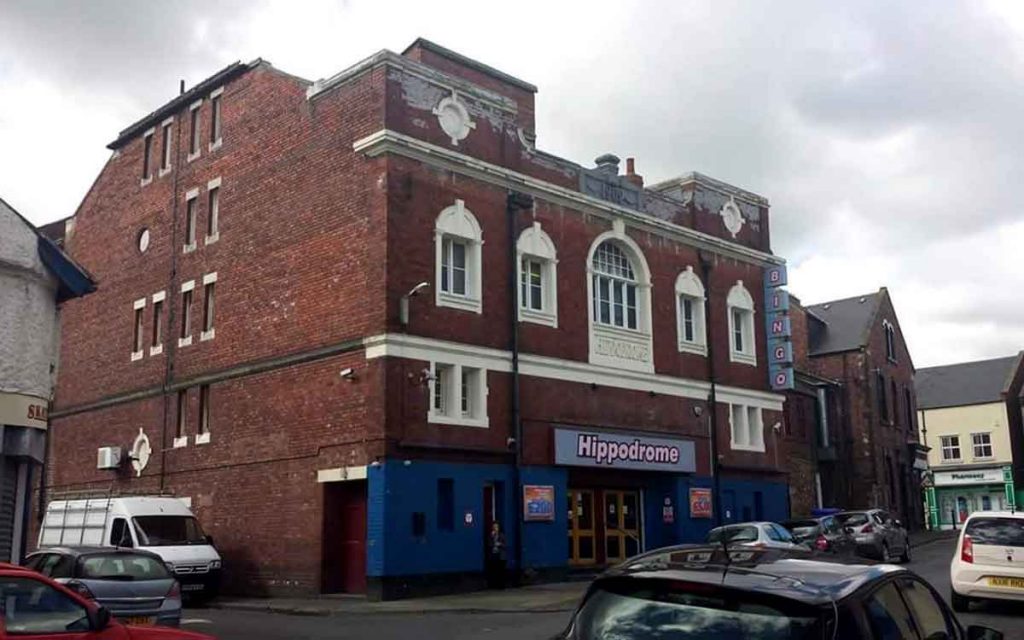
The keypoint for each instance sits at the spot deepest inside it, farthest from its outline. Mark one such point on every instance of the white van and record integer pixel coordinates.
(161, 524)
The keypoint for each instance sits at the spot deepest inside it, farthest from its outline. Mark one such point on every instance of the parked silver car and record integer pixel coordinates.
(878, 535)
(768, 535)
(133, 584)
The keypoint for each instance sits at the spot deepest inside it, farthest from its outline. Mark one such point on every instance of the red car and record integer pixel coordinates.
(34, 606)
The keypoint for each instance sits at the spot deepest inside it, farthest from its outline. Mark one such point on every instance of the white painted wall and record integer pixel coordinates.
(28, 311)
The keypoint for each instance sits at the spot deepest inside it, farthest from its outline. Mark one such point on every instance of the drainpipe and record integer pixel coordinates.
(716, 485)
(514, 203)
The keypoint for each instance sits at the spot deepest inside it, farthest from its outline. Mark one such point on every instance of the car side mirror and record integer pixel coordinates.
(898, 523)
(848, 530)
(209, 540)
(99, 618)
(978, 632)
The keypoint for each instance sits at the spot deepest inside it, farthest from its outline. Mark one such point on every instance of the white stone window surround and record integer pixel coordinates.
(746, 427)
(689, 286)
(212, 213)
(450, 412)
(739, 299)
(136, 307)
(166, 156)
(187, 286)
(155, 350)
(458, 223)
(195, 120)
(211, 332)
(615, 346)
(148, 161)
(536, 245)
(217, 93)
(192, 195)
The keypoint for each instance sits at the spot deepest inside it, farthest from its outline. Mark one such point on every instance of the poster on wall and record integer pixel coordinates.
(700, 502)
(538, 503)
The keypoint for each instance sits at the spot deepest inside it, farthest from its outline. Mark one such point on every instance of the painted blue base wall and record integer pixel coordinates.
(397, 490)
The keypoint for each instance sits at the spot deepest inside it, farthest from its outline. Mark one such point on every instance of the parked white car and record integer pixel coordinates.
(768, 535)
(989, 559)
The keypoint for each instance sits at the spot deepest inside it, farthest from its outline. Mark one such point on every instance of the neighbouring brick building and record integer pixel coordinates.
(417, 311)
(852, 415)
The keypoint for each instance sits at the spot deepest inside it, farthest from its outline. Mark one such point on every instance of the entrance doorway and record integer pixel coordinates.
(344, 537)
(621, 525)
(582, 538)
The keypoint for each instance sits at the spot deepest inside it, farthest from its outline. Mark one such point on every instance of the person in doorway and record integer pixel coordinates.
(496, 558)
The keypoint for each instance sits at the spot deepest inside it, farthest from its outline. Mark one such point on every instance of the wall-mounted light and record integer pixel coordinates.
(348, 374)
(403, 303)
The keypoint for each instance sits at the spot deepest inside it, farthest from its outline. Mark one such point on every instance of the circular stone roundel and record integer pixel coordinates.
(141, 452)
(454, 118)
(143, 240)
(732, 217)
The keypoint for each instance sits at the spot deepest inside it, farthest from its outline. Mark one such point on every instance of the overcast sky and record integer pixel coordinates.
(889, 139)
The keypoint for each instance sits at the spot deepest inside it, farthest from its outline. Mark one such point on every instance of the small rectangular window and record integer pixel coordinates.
(165, 135)
(442, 382)
(193, 135)
(756, 438)
(445, 504)
(531, 295)
(982, 444)
(182, 413)
(453, 267)
(204, 409)
(214, 120)
(158, 310)
(186, 313)
(737, 330)
(190, 222)
(213, 219)
(468, 390)
(738, 422)
(208, 306)
(950, 448)
(137, 336)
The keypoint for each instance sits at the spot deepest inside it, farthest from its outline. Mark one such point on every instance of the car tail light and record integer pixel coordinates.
(175, 592)
(967, 550)
(868, 529)
(80, 589)
(821, 543)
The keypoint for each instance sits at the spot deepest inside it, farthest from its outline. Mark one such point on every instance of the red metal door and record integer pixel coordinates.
(345, 537)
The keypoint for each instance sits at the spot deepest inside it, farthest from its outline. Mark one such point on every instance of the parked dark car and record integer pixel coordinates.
(134, 585)
(878, 534)
(823, 534)
(694, 591)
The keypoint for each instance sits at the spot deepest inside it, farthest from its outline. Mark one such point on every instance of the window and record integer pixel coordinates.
(215, 119)
(690, 312)
(615, 287)
(888, 616)
(538, 281)
(883, 402)
(445, 504)
(147, 150)
(138, 329)
(168, 531)
(203, 435)
(165, 142)
(895, 401)
(741, 325)
(209, 282)
(127, 567)
(982, 444)
(181, 436)
(34, 608)
(213, 217)
(120, 535)
(458, 395)
(930, 616)
(950, 446)
(747, 428)
(156, 345)
(191, 212)
(185, 338)
(458, 242)
(193, 132)
(908, 407)
(890, 340)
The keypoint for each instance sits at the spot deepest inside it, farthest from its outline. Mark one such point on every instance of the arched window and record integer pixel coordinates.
(690, 312)
(538, 281)
(458, 241)
(615, 287)
(741, 325)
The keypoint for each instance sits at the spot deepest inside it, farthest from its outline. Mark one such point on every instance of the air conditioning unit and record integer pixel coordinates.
(108, 458)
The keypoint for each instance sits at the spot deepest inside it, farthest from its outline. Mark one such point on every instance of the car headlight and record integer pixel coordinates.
(215, 564)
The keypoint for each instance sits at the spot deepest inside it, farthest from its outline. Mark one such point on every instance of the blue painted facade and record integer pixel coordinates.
(397, 490)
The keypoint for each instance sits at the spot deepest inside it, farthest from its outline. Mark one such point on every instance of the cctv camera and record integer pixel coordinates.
(777, 427)
(347, 373)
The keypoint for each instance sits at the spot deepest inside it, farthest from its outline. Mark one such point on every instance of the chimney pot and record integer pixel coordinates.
(632, 175)
(608, 163)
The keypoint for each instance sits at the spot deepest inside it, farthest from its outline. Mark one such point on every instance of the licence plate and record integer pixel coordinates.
(139, 620)
(1015, 583)
(192, 587)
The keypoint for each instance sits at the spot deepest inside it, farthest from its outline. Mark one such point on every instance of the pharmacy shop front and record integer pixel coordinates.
(957, 494)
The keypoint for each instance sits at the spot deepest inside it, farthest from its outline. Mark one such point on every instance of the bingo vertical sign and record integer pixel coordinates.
(780, 347)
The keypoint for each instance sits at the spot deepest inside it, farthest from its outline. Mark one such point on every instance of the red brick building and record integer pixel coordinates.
(851, 431)
(354, 316)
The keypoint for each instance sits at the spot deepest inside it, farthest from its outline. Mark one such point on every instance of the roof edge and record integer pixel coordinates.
(471, 63)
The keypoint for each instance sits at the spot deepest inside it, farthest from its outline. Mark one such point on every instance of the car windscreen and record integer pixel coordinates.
(733, 534)
(852, 519)
(1005, 532)
(127, 567)
(801, 528)
(164, 531)
(672, 610)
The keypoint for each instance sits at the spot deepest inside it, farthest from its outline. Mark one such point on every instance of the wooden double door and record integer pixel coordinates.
(605, 526)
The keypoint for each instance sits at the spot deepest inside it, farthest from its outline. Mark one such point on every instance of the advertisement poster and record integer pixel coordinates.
(538, 503)
(700, 503)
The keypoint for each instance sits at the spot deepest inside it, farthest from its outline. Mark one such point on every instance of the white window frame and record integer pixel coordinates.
(157, 349)
(535, 245)
(457, 223)
(208, 334)
(147, 157)
(943, 446)
(139, 325)
(617, 347)
(739, 299)
(689, 287)
(450, 413)
(203, 425)
(213, 213)
(192, 195)
(217, 119)
(166, 157)
(890, 340)
(181, 426)
(746, 428)
(187, 286)
(198, 130)
(975, 445)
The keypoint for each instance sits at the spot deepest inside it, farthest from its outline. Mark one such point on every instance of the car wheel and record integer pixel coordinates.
(960, 603)
(906, 551)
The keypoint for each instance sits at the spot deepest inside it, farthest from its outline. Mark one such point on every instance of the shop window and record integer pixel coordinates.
(986, 503)
(458, 395)
(950, 447)
(538, 280)
(445, 504)
(747, 428)
(690, 313)
(741, 325)
(982, 445)
(458, 243)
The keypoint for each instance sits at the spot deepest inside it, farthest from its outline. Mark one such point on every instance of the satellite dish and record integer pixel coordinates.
(140, 452)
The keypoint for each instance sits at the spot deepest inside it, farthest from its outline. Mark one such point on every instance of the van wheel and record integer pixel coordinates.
(960, 603)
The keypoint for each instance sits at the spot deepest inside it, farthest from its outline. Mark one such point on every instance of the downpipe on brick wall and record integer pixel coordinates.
(706, 267)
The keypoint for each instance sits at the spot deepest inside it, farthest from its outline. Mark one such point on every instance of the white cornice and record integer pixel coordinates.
(387, 141)
(402, 345)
